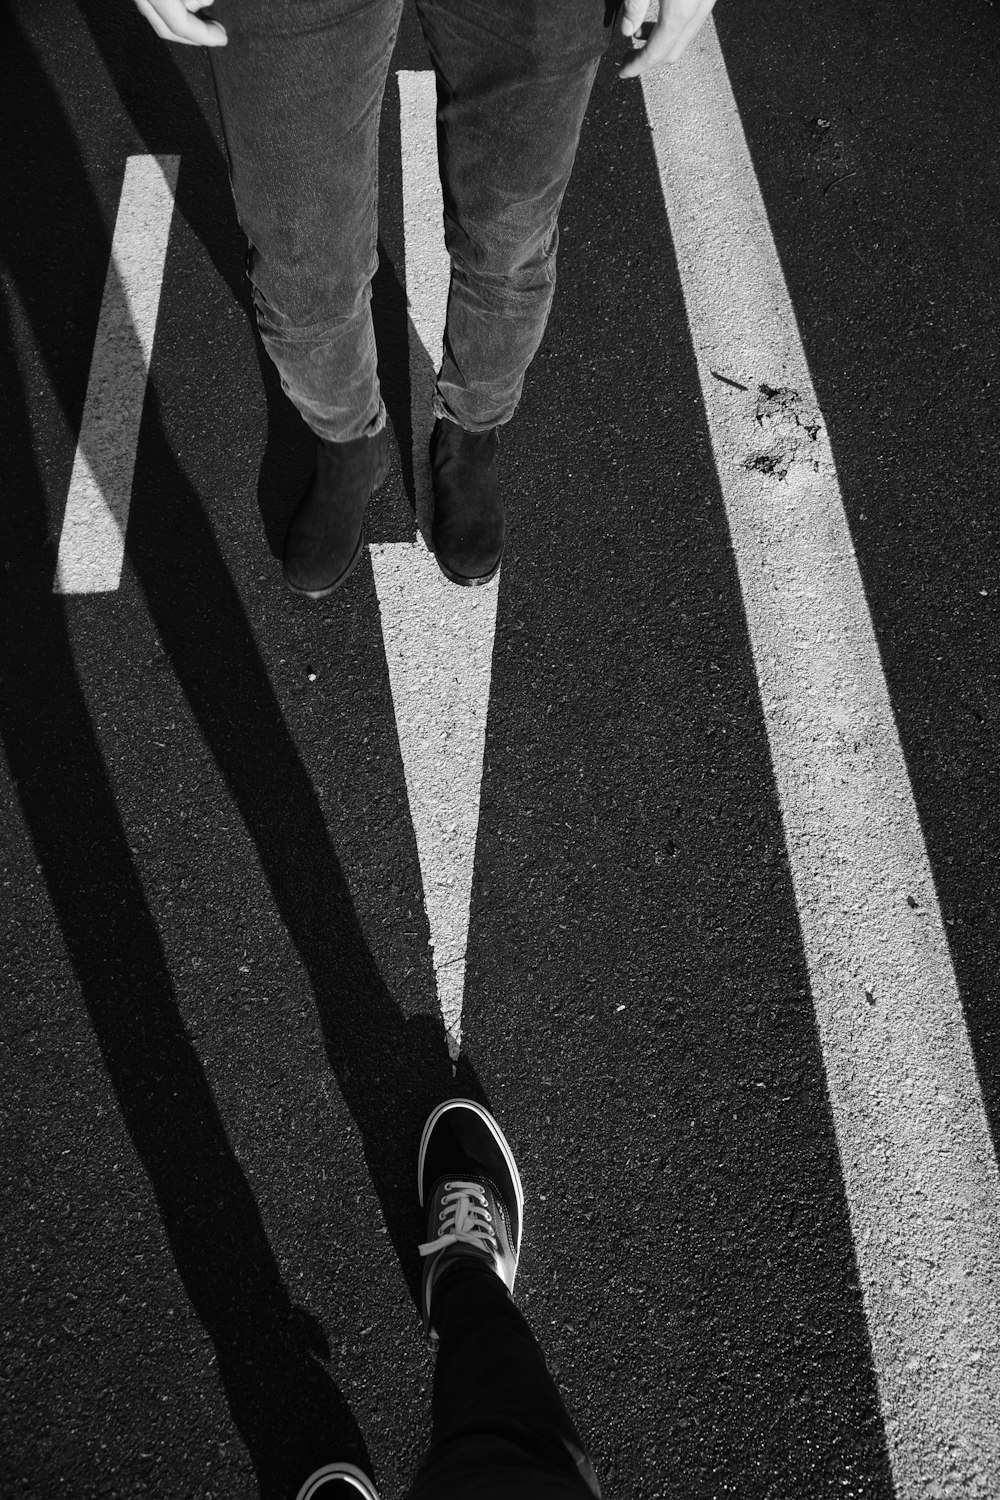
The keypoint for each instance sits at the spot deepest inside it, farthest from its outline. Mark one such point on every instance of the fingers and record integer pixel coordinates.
(633, 14)
(690, 31)
(678, 24)
(175, 21)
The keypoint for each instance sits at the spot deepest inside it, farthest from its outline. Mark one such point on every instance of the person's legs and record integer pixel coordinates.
(300, 89)
(513, 87)
(500, 1429)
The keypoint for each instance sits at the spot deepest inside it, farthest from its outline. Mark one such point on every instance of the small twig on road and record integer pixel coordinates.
(836, 180)
(726, 381)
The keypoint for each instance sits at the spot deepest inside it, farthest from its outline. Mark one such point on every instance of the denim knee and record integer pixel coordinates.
(512, 252)
(301, 306)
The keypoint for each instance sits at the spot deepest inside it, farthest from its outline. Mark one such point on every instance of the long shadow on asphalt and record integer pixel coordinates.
(270, 1354)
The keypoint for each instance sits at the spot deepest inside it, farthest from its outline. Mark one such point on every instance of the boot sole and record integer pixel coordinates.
(331, 588)
(470, 583)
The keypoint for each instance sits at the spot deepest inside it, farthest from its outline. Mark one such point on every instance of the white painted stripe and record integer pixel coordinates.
(439, 649)
(438, 638)
(428, 268)
(915, 1147)
(92, 543)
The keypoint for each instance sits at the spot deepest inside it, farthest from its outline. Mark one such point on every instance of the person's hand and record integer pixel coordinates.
(665, 38)
(178, 21)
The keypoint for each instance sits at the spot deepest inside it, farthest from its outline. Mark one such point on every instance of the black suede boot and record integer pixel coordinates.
(469, 524)
(326, 533)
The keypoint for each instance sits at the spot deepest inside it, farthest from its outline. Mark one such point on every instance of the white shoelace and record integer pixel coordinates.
(464, 1219)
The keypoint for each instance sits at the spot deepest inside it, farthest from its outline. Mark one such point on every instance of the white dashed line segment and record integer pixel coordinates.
(92, 542)
(438, 638)
(915, 1147)
(428, 268)
(439, 648)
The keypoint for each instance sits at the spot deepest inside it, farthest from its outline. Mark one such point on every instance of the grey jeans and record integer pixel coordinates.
(300, 89)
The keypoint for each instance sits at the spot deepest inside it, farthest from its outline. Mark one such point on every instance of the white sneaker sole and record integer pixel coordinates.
(347, 1472)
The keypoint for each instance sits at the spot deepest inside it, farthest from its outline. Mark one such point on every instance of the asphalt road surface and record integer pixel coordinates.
(677, 846)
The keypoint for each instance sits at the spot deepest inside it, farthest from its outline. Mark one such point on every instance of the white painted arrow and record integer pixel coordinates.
(438, 638)
(439, 647)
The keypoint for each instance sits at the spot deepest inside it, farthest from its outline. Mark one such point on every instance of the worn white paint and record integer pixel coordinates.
(92, 542)
(438, 638)
(917, 1158)
(428, 268)
(439, 647)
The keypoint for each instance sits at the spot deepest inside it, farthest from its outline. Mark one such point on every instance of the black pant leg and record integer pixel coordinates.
(500, 1429)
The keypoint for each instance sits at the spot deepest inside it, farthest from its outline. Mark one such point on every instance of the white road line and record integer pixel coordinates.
(439, 648)
(92, 543)
(438, 638)
(914, 1142)
(427, 265)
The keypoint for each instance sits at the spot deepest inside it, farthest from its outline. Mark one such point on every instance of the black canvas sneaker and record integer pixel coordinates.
(471, 1191)
(337, 1482)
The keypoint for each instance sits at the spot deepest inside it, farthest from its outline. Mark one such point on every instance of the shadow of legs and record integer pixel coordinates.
(283, 1402)
(390, 1070)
